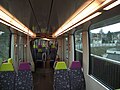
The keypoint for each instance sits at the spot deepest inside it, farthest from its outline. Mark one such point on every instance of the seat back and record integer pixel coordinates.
(7, 75)
(24, 80)
(10, 60)
(6, 67)
(61, 77)
(7, 80)
(75, 65)
(24, 76)
(77, 80)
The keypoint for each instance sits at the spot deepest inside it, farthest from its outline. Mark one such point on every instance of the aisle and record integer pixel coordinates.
(43, 79)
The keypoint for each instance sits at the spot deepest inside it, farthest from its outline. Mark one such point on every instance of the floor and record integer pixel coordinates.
(43, 77)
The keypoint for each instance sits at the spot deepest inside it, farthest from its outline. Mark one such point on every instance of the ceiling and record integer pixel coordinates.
(42, 16)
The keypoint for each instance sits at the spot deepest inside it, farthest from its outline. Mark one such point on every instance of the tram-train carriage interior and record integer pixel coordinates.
(59, 45)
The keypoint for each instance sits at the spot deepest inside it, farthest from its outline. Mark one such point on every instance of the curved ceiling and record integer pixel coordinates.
(42, 15)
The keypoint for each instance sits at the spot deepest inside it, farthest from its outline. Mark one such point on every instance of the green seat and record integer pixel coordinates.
(117, 89)
(60, 65)
(6, 67)
(10, 60)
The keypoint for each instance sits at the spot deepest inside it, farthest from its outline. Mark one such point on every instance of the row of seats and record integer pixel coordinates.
(10, 80)
(68, 79)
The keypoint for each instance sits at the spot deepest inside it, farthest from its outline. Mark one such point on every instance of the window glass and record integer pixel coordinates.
(105, 41)
(78, 46)
(105, 52)
(4, 42)
(78, 40)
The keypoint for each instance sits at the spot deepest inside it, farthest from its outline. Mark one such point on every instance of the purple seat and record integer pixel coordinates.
(24, 66)
(40, 46)
(77, 80)
(75, 65)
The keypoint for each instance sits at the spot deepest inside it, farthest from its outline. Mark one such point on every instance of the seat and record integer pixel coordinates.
(6, 67)
(24, 66)
(61, 77)
(60, 66)
(77, 80)
(7, 80)
(75, 65)
(7, 76)
(24, 79)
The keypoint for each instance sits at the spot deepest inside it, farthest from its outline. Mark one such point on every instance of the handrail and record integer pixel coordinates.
(103, 58)
(106, 59)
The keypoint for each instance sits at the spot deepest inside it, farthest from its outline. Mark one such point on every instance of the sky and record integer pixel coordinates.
(111, 28)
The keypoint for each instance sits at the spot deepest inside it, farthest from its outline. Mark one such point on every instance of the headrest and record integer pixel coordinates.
(60, 66)
(10, 60)
(75, 65)
(24, 66)
(40, 46)
(34, 46)
(6, 67)
(53, 46)
(43, 45)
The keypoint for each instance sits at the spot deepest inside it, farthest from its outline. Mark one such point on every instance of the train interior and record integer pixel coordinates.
(59, 45)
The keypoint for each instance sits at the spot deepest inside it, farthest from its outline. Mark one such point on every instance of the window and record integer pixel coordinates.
(78, 40)
(4, 42)
(78, 46)
(105, 52)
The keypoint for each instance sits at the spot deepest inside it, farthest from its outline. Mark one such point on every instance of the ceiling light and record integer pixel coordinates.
(83, 21)
(9, 20)
(87, 9)
(46, 39)
(112, 5)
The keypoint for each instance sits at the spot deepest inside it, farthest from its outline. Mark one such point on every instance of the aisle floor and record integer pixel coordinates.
(43, 79)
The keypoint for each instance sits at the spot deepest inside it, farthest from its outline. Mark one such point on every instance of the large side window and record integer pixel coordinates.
(105, 52)
(4, 42)
(78, 46)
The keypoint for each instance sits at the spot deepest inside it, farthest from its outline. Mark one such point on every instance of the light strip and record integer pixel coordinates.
(9, 20)
(112, 5)
(46, 39)
(90, 7)
(85, 20)
(11, 26)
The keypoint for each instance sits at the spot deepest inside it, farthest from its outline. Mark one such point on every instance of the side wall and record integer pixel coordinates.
(91, 83)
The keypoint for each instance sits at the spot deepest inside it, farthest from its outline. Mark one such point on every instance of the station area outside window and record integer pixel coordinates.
(105, 52)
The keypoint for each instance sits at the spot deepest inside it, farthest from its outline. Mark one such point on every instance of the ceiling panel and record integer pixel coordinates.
(40, 15)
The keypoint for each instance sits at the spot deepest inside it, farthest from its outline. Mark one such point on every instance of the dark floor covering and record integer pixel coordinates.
(43, 77)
